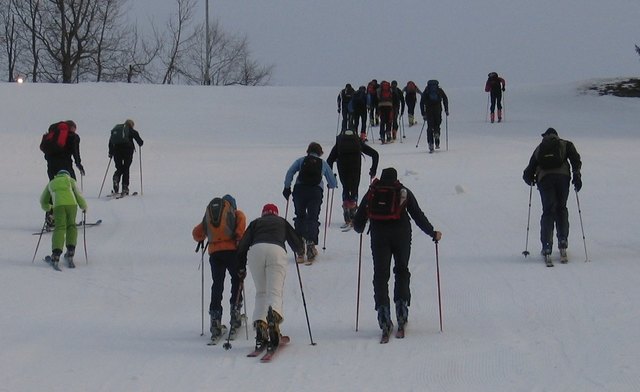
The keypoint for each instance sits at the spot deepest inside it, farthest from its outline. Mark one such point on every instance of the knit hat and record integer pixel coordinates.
(389, 175)
(549, 131)
(231, 200)
(269, 209)
(314, 148)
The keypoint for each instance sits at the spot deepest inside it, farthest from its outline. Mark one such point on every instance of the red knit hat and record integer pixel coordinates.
(269, 209)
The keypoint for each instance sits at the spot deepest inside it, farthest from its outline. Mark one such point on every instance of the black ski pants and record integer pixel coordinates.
(356, 117)
(390, 240)
(122, 160)
(221, 262)
(554, 192)
(496, 99)
(434, 119)
(386, 122)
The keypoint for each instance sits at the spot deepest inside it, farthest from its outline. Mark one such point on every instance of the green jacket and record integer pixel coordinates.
(62, 191)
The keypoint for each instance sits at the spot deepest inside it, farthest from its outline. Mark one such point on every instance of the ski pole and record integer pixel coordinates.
(402, 127)
(333, 190)
(526, 244)
(584, 240)
(227, 345)
(105, 176)
(338, 124)
(326, 221)
(504, 107)
(286, 210)
(486, 113)
(246, 323)
(421, 129)
(438, 278)
(44, 226)
(84, 236)
(304, 303)
(140, 156)
(81, 183)
(446, 131)
(358, 289)
(198, 247)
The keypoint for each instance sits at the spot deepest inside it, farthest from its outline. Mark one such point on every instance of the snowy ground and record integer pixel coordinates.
(130, 318)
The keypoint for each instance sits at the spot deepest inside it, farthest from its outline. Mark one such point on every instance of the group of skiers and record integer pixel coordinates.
(61, 197)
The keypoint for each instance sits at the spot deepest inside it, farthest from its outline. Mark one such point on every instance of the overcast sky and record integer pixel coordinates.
(332, 42)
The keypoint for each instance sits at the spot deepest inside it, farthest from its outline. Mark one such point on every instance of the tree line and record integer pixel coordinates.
(71, 41)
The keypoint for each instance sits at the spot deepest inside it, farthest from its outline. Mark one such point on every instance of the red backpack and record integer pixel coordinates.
(386, 94)
(55, 140)
(411, 87)
(386, 202)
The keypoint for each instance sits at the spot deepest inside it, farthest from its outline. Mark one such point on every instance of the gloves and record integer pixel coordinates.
(436, 236)
(577, 182)
(141, 143)
(503, 89)
(79, 166)
(286, 192)
(110, 155)
(372, 173)
(242, 273)
(529, 178)
(338, 110)
(446, 112)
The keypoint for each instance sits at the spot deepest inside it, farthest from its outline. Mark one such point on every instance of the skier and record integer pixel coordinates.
(411, 92)
(62, 197)
(398, 107)
(358, 112)
(263, 248)
(385, 95)
(60, 144)
(390, 230)
(222, 226)
(495, 86)
(550, 167)
(307, 195)
(372, 102)
(348, 152)
(121, 149)
(344, 97)
(431, 103)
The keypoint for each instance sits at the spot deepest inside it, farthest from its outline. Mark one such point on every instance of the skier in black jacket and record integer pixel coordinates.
(347, 152)
(391, 236)
(121, 149)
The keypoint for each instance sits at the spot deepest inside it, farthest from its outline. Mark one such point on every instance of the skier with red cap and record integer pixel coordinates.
(262, 247)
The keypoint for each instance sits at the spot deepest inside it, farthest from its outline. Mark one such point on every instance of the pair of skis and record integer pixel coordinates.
(121, 195)
(270, 351)
(56, 266)
(79, 224)
(386, 335)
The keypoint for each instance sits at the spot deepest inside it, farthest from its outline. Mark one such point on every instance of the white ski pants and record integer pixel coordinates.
(268, 266)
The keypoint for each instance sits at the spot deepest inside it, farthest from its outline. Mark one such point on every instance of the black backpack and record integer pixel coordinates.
(120, 134)
(551, 154)
(348, 143)
(432, 90)
(310, 170)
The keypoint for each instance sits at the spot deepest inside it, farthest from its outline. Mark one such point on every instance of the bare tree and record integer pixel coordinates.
(181, 40)
(28, 13)
(10, 36)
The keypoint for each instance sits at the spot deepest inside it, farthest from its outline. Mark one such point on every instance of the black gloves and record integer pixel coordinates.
(529, 178)
(286, 192)
(141, 143)
(242, 273)
(577, 182)
(503, 89)
(80, 168)
(372, 173)
(437, 236)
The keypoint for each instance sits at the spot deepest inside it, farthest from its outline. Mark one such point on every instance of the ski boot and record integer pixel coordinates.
(125, 190)
(402, 313)
(55, 258)
(493, 118)
(499, 115)
(562, 246)
(430, 147)
(49, 221)
(273, 325)
(236, 320)
(262, 335)
(68, 256)
(312, 252)
(385, 323)
(215, 326)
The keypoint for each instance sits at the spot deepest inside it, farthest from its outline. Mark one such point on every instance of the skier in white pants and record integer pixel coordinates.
(263, 248)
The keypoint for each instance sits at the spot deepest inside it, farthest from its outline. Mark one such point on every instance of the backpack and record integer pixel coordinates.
(310, 170)
(371, 88)
(386, 202)
(348, 143)
(551, 153)
(55, 140)
(386, 93)
(432, 90)
(411, 88)
(222, 217)
(120, 135)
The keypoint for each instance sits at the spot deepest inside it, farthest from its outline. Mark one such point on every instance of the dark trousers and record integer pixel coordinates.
(220, 263)
(307, 200)
(388, 242)
(355, 121)
(122, 160)
(434, 119)
(496, 99)
(55, 165)
(346, 118)
(554, 192)
(386, 121)
(411, 105)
